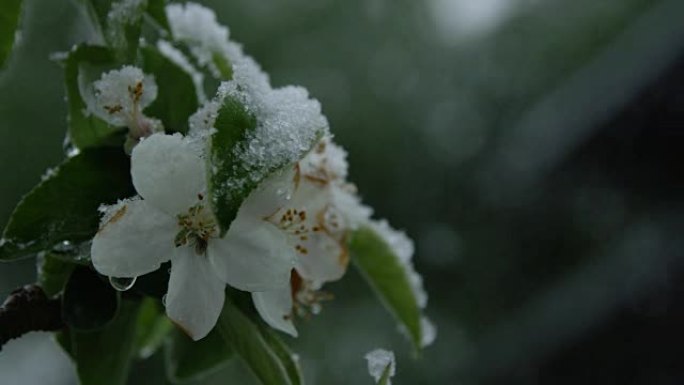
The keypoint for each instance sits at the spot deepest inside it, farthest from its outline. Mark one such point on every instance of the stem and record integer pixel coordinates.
(28, 309)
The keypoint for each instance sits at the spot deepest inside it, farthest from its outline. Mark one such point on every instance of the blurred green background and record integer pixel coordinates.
(532, 149)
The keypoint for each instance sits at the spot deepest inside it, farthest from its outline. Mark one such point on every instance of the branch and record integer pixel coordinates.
(28, 309)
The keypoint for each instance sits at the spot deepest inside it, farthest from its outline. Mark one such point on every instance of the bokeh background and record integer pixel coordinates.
(533, 149)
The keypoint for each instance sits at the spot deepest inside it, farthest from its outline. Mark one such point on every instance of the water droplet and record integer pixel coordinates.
(64, 247)
(164, 300)
(316, 309)
(122, 284)
(69, 148)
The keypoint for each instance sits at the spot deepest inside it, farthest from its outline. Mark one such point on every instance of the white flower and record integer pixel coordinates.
(323, 209)
(379, 360)
(119, 98)
(173, 222)
(196, 25)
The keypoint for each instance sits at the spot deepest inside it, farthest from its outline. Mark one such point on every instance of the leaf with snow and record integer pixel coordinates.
(386, 272)
(381, 366)
(258, 131)
(64, 206)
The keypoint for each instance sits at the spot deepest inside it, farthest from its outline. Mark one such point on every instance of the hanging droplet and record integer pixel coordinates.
(69, 148)
(64, 247)
(164, 300)
(122, 284)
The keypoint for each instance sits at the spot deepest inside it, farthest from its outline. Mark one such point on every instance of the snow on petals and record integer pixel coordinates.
(119, 98)
(172, 221)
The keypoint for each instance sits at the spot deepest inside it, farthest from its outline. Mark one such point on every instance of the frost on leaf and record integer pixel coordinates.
(403, 248)
(381, 365)
(257, 131)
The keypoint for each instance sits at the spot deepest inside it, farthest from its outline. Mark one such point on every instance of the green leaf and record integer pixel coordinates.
(53, 273)
(86, 130)
(385, 379)
(177, 96)
(89, 302)
(233, 123)
(98, 10)
(119, 24)
(246, 338)
(63, 207)
(156, 9)
(385, 273)
(9, 21)
(103, 357)
(153, 328)
(223, 65)
(188, 360)
(287, 358)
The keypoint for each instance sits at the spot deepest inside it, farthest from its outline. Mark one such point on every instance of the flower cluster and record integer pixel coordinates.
(290, 235)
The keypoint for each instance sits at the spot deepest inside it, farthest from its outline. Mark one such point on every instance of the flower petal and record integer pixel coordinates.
(271, 195)
(322, 258)
(168, 172)
(196, 294)
(253, 256)
(275, 307)
(134, 239)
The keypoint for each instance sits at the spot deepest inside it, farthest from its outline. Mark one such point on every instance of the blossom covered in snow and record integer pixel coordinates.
(172, 221)
(380, 361)
(290, 236)
(328, 209)
(119, 98)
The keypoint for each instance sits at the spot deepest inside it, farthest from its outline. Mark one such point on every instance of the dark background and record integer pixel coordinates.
(532, 149)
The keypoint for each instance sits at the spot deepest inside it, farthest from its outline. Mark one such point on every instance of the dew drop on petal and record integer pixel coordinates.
(122, 284)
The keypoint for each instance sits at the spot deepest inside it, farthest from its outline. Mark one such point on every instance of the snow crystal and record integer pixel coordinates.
(428, 332)
(49, 173)
(109, 211)
(288, 123)
(120, 95)
(178, 58)
(326, 156)
(196, 25)
(401, 244)
(378, 360)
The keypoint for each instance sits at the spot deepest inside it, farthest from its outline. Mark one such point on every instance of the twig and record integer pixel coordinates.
(28, 309)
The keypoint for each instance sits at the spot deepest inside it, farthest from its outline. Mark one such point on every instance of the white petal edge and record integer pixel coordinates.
(272, 194)
(325, 260)
(253, 256)
(168, 172)
(275, 307)
(134, 239)
(196, 294)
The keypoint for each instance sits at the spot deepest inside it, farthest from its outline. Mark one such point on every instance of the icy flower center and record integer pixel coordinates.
(197, 226)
